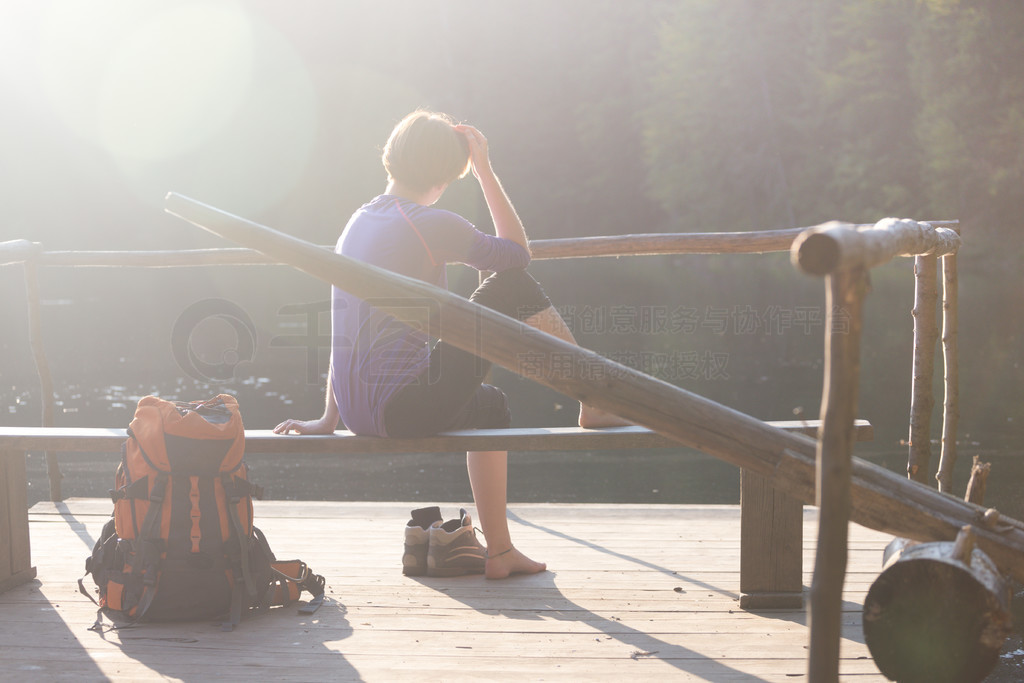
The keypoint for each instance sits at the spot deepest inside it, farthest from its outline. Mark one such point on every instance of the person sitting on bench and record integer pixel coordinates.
(384, 378)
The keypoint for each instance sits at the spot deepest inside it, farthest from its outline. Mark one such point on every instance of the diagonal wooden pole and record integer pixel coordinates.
(881, 499)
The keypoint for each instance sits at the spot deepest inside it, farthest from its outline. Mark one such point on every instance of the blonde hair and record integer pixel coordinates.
(424, 151)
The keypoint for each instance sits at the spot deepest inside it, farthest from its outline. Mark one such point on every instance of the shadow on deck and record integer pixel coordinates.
(634, 590)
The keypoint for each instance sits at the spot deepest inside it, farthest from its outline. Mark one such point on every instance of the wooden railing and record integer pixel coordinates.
(753, 242)
(33, 255)
(882, 501)
(844, 254)
(822, 472)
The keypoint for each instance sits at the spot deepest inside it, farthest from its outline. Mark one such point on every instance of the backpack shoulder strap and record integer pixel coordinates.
(151, 546)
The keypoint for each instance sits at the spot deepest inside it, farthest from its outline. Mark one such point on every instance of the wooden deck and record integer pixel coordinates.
(635, 592)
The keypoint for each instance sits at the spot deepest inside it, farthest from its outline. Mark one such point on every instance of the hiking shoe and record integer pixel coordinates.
(417, 536)
(454, 549)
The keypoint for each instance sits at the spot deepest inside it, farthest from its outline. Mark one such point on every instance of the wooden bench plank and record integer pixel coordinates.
(772, 541)
(92, 440)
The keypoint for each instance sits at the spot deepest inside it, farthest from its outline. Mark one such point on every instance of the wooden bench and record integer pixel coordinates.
(771, 533)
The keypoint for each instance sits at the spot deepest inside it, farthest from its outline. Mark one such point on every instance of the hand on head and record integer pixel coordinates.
(478, 152)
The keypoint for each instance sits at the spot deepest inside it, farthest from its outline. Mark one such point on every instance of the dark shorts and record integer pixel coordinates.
(450, 394)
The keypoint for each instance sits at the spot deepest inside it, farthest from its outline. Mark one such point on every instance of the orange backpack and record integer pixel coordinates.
(181, 543)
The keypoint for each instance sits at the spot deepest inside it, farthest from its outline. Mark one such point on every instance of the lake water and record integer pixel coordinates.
(660, 476)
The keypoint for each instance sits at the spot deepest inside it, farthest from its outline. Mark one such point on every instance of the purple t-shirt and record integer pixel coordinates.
(373, 353)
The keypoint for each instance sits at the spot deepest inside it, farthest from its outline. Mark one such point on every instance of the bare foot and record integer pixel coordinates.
(592, 418)
(513, 562)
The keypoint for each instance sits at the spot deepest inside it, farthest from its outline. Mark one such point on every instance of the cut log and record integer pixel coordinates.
(938, 613)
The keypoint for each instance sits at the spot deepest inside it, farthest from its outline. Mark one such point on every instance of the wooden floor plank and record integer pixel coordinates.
(636, 591)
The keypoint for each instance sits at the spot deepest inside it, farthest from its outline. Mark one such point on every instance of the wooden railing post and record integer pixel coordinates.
(846, 290)
(951, 374)
(926, 332)
(35, 334)
(844, 254)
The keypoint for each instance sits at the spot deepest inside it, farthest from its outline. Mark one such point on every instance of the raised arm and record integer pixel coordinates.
(506, 221)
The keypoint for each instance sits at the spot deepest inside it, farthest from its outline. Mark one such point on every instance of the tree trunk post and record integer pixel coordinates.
(978, 482)
(35, 333)
(925, 334)
(951, 375)
(846, 290)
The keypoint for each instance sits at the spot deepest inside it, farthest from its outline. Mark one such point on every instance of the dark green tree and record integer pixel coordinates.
(970, 126)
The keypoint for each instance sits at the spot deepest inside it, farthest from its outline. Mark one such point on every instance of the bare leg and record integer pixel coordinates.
(488, 475)
(551, 322)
